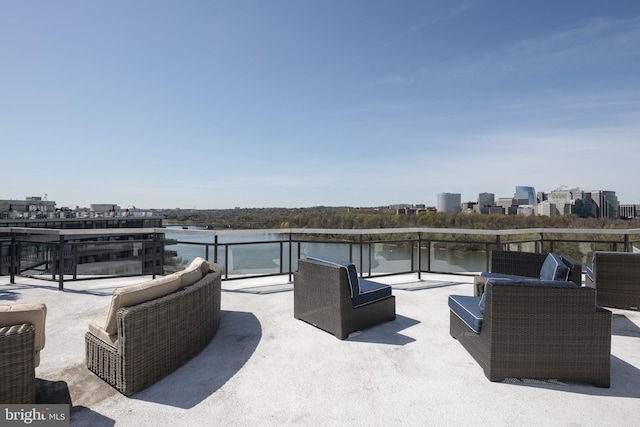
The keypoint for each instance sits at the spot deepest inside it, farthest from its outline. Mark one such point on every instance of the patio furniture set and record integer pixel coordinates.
(150, 330)
(155, 327)
(536, 326)
(529, 317)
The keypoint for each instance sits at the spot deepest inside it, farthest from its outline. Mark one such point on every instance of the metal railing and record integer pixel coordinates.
(421, 244)
(67, 254)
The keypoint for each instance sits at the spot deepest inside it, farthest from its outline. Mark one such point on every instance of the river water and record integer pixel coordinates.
(245, 258)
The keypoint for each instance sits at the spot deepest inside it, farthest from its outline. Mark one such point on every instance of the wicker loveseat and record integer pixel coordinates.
(535, 329)
(155, 327)
(512, 264)
(22, 337)
(329, 295)
(616, 277)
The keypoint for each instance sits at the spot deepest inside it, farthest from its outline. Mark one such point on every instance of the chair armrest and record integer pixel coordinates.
(18, 356)
(575, 269)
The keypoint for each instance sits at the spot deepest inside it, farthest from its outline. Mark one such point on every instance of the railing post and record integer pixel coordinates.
(290, 257)
(12, 259)
(627, 247)
(487, 251)
(143, 256)
(74, 249)
(369, 258)
(215, 249)
(226, 261)
(153, 258)
(361, 264)
(61, 264)
(419, 255)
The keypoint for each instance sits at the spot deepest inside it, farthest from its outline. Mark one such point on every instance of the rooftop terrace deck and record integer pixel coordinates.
(266, 368)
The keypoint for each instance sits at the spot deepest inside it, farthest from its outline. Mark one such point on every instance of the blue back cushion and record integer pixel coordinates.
(526, 282)
(554, 268)
(352, 273)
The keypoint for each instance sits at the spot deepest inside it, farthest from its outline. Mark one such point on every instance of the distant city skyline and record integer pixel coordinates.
(445, 200)
(213, 105)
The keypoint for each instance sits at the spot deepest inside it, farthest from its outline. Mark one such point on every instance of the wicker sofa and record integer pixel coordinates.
(22, 337)
(535, 329)
(616, 277)
(329, 295)
(155, 327)
(512, 264)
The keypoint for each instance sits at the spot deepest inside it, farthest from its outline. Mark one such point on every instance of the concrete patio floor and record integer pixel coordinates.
(265, 368)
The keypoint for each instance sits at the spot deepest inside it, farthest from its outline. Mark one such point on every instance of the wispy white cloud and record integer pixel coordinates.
(390, 81)
(595, 42)
(459, 7)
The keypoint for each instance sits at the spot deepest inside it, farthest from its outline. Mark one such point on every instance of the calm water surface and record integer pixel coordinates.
(265, 258)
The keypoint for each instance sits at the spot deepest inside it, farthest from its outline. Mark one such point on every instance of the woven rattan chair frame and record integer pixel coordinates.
(542, 333)
(526, 264)
(617, 279)
(158, 336)
(322, 297)
(17, 364)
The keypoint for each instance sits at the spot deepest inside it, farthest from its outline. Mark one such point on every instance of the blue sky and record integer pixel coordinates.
(298, 103)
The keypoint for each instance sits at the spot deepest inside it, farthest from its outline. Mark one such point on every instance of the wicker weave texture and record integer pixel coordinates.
(17, 364)
(540, 332)
(158, 336)
(322, 297)
(525, 264)
(617, 279)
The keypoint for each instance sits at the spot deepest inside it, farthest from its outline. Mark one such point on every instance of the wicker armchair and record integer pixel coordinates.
(537, 332)
(21, 339)
(525, 264)
(157, 336)
(323, 297)
(616, 276)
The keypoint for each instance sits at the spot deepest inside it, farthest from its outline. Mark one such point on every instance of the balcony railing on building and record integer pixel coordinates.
(61, 255)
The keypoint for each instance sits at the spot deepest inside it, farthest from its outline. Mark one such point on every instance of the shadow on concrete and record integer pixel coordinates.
(54, 287)
(424, 284)
(233, 345)
(83, 416)
(8, 295)
(264, 289)
(621, 325)
(57, 393)
(624, 378)
(52, 392)
(386, 332)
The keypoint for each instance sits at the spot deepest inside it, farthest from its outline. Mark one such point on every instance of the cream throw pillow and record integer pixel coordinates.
(128, 296)
(33, 313)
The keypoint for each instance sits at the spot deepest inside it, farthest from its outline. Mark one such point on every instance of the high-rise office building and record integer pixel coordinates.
(449, 202)
(607, 204)
(486, 199)
(525, 196)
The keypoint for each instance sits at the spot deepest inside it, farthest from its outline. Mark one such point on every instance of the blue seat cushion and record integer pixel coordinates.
(352, 273)
(554, 268)
(467, 308)
(371, 292)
